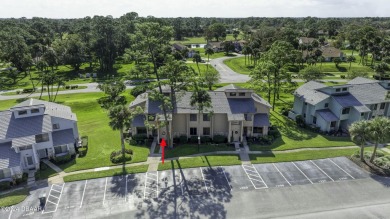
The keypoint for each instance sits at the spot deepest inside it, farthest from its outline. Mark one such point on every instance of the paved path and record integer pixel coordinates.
(226, 73)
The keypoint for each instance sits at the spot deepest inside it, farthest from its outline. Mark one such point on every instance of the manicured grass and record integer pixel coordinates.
(45, 92)
(93, 122)
(202, 161)
(202, 67)
(238, 65)
(106, 173)
(188, 149)
(13, 198)
(301, 155)
(45, 172)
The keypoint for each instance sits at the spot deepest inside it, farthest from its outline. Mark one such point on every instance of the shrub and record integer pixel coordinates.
(28, 90)
(274, 133)
(117, 156)
(218, 139)
(62, 159)
(176, 140)
(183, 139)
(18, 92)
(300, 121)
(140, 137)
(5, 186)
(23, 179)
(67, 87)
(194, 139)
(138, 90)
(205, 139)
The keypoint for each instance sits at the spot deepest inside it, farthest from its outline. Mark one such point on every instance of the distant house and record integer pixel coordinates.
(34, 130)
(336, 107)
(238, 45)
(305, 40)
(236, 113)
(179, 47)
(216, 46)
(330, 52)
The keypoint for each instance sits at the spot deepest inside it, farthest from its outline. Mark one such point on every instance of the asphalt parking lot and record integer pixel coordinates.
(195, 187)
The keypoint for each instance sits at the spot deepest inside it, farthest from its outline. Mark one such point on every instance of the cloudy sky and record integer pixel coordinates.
(201, 8)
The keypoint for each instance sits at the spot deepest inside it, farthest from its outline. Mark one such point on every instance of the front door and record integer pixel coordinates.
(236, 132)
(29, 162)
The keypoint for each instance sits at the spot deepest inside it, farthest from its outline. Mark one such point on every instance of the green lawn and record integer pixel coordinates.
(13, 198)
(201, 161)
(188, 149)
(45, 172)
(106, 173)
(93, 122)
(202, 67)
(301, 155)
(238, 65)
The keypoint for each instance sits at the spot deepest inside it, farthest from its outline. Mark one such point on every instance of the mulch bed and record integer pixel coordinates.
(372, 168)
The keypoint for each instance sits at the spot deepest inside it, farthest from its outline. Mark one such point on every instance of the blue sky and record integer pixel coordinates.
(200, 8)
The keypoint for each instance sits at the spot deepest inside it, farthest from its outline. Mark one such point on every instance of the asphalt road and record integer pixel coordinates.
(324, 188)
(226, 73)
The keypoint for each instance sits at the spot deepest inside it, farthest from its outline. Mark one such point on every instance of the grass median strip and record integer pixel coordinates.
(13, 198)
(201, 161)
(301, 155)
(106, 173)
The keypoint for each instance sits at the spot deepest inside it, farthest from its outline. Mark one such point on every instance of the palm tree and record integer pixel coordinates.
(379, 129)
(197, 58)
(208, 51)
(359, 132)
(120, 117)
(201, 99)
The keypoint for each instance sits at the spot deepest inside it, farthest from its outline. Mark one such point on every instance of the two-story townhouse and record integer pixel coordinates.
(336, 107)
(235, 113)
(34, 130)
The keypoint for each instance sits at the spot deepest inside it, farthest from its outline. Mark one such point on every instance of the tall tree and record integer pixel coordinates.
(350, 59)
(210, 78)
(311, 73)
(263, 77)
(113, 90)
(379, 129)
(359, 132)
(197, 58)
(208, 51)
(152, 39)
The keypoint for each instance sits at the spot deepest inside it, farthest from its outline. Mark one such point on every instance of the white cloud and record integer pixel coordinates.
(201, 8)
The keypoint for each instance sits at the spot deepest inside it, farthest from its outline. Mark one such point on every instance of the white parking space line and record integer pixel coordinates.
(231, 188)
(181, 183)
(341, 168)
(82, 198)
(302, 172)
(253, 170)
(322, 170)
(146, 178)
(10, 213)
(204, 181)
(58, 199)
(148, 183)
(105, 189)
(281, 174)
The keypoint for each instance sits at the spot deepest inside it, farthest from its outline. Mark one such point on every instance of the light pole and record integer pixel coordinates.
(198, 143)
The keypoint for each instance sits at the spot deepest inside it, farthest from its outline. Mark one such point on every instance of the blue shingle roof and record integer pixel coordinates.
(242, 105)
(347, 100)
(138, 121)
(261, 120)
(327, 115)
(8, 157)
(63, 137)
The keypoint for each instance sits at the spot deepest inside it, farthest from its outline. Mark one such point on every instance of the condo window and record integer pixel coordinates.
(314, 120)
(193, 131)
(60, 149)
(248, 117)
(304, 115)
(346, 110)
(35, 111)
(206, 117)
(257, 130)
(193, 117)
(345, 89)
(24, 112)
(338, 90)
(374, 107)
(42, 138)
(361, 114)
(241, 94)
(333, 124)
(206, 131)
(27, 147)
(326, 105)
(233, 94)
(382, 106)
(56, 126)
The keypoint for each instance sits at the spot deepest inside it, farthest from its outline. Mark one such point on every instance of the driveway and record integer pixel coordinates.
(310, 189)
(226, 73)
